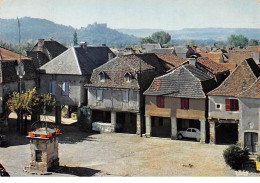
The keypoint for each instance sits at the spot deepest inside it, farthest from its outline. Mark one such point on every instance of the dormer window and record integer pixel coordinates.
(127, 77)
(102, 76)
(244, 85)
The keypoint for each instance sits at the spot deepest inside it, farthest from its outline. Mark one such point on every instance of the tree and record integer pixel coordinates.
(28, 103)
(161, 37)
(75, 38)
(237, 40)
(147, 40)
(253, 42)
(191, 43)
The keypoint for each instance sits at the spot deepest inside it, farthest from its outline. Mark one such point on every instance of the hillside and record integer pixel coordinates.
(35, 28)
(219, 34)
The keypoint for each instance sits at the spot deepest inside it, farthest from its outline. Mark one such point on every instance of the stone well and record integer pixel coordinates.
(44, 149)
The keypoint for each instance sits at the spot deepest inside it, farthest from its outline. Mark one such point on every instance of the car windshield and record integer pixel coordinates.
(193, 130)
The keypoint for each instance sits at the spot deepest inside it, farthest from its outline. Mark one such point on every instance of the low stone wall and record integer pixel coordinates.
(101, 127)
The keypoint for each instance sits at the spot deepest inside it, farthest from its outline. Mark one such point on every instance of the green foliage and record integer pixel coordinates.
(191, 43)
(161, 37)
(237, 41)
(147, 40)
(75, 38)
(15, 48)
(253, 42)
(29, 102)
(234, 156)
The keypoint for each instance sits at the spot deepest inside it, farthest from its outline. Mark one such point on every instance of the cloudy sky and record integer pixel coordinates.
(162, 14)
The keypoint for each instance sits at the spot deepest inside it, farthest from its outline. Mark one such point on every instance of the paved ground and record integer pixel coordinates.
(84, 154)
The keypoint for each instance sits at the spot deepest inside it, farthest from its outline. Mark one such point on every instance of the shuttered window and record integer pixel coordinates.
(65, 88)
(99, 94)
(160, 101)
(184, 103)
(125, 96)
(232, 105)
(52, 87)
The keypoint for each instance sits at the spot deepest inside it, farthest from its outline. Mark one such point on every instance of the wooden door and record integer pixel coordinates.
(251, 141)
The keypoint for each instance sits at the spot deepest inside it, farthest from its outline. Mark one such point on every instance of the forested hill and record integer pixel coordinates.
(218, 34)
(35, 28)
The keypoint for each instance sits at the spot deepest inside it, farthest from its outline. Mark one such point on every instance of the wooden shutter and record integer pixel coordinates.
(227, 104)
(186, 103)
(162, 101)
(182, 103)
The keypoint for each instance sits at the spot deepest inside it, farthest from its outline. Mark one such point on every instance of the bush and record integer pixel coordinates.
(234, 156)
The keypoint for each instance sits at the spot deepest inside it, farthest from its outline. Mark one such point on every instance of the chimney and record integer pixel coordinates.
(104, 44)
(110, 56)
(40, 44)
(192, 61)
(256, 57)
(83, 45)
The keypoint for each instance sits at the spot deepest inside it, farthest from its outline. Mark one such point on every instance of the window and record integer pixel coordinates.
(38, 156)
(218, 106)
(160, 101)
(52, 87)
(127, 77)
(192, 130)
(102, 77)
(99, 94)
(232, 105)
(125, 96)
(184, 103)
(65, 88)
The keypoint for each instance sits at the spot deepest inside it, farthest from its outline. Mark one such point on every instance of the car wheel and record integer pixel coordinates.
(180, 136)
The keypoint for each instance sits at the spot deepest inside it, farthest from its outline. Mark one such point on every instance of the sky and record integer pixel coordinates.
(136, 14)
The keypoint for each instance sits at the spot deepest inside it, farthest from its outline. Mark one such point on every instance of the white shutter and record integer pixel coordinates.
(63, 88)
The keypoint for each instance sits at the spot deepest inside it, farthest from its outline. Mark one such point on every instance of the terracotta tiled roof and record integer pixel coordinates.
(239, 80)
(253, 48)
(213, 56)
(253, 91)
(211, 65)
(9, 55)
(237, 56)
(172, 60)
(230, 66)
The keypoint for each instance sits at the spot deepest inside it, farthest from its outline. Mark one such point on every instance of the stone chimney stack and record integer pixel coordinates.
(192, 61)
(256, 57)
(40, 44)
(110, 56)
(83, 45)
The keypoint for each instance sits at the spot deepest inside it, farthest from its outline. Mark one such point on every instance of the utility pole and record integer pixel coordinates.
(20, 72)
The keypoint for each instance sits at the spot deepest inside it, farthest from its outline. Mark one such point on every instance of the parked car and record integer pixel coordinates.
(189, 133)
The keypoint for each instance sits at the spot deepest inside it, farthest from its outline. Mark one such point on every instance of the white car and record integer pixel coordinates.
(189, 133)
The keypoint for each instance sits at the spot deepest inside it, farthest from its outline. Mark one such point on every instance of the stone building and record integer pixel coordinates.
(115, 92)
(249, 117)
(65, 75)
(9, 81)
(176, 101)
(44, 51)
(224, 105)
